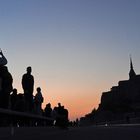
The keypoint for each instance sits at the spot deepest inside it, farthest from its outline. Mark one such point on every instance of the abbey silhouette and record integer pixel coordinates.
(122, 102)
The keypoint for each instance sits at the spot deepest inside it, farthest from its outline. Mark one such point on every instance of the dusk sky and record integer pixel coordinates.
(77, 48)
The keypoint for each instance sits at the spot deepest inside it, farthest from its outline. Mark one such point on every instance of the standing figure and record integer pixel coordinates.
(48, 110)
(6, 81)
(28, 87)
(13, 98)
(38, 100)
(3, 61)
(62, 116)
(6, 86)
(20, 103)
(48, 113)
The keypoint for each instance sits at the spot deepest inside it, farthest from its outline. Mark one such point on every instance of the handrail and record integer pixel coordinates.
(7, 114)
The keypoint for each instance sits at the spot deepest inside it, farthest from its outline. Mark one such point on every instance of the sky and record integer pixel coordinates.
(77, 48)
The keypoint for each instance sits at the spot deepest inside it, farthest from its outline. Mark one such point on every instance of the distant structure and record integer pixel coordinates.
(120, 103)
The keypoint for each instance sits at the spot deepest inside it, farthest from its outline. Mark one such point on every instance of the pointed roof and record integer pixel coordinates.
(132, 72)
(131, 63)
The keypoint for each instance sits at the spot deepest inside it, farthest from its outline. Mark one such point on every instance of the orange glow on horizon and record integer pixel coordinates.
(78, 103)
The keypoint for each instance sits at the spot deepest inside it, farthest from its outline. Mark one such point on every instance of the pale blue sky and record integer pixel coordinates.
(77, 48)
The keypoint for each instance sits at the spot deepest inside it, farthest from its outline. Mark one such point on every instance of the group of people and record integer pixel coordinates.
(18, 102)
(26, 102)
(21, 102)
(59, 114)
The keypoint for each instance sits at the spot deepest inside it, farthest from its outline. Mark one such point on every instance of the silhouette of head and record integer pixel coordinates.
(3, 60)
(59, 104)
(48, 105)
(29, 70)
(38, 89)
(14, 91)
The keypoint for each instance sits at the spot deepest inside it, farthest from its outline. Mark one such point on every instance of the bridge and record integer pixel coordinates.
(9, 117)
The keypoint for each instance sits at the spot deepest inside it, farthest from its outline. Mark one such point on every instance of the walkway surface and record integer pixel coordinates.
(128, 132)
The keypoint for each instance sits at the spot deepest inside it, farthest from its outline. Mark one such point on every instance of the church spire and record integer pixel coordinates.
(131, 63)
(132, 72)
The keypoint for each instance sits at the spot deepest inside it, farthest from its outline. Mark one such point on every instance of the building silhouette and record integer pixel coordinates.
(120, 103)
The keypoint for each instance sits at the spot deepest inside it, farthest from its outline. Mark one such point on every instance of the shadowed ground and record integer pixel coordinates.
(85, 133)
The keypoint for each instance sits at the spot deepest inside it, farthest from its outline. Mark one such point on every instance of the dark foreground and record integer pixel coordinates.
(85, 133)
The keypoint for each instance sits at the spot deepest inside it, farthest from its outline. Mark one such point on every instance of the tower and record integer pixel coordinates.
(132, 73)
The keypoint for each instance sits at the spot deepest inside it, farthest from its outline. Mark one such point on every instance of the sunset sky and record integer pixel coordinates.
(77, 48)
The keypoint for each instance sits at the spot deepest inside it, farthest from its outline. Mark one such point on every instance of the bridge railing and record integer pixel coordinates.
(18, 119)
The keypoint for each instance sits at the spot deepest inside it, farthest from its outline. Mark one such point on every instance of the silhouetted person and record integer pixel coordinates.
(3, 60)
(6, 81)
(61, 116)
(13, 98)
(48, 113)
(48, 110)
(77, 122)
(28, 86)
(38, 100)
(55, 114)
(20, 104)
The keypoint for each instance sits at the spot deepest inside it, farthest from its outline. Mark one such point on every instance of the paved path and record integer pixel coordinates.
(85, 133)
